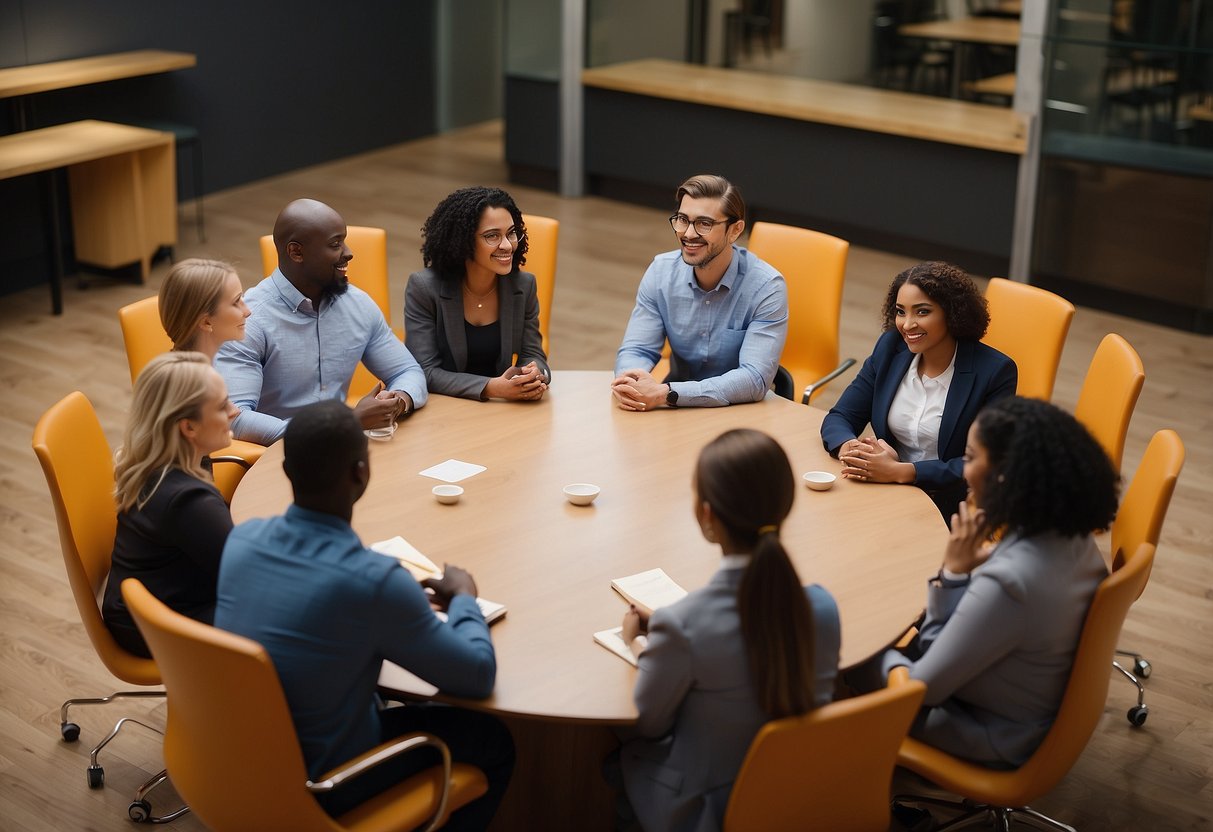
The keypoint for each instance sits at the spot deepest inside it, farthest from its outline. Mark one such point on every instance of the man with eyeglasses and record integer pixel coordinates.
(308, 331)
(723, 311)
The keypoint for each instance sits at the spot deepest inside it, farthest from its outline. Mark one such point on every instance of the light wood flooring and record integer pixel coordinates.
(1153, 778)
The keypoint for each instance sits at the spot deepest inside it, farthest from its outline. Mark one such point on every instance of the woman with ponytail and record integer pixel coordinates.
(751, 646)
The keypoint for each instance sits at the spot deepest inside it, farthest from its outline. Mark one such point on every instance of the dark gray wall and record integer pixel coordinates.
(278, 86)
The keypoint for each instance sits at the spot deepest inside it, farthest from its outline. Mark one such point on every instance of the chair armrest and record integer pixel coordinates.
(826, 379)
(236, 460)
(898, 677)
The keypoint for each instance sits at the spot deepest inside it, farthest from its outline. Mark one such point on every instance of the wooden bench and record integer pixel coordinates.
(1000, 85)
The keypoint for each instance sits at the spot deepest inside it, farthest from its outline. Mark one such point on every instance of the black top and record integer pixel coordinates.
(172, 545)
(484, 348)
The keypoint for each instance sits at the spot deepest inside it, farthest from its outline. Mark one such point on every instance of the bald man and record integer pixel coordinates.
(308, 331)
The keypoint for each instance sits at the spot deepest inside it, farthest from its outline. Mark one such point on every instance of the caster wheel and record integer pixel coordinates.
(70, 731)
(1137, 715)
(140, 811)
(96, 777)
(1141, 669)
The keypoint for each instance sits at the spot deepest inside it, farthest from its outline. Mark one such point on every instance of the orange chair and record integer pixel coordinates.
(827, 769)
(542, 234)
(1001, 795)
(231, 747)
(1029, 324)
(814, 266)
(145, 338)
(1109, 394)
(79, 470)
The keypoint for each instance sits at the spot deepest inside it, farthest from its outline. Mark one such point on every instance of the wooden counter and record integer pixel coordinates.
(58, 75)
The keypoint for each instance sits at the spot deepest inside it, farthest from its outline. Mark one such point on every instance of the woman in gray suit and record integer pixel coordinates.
(1003, 619)
(472, 316)
(751, 646)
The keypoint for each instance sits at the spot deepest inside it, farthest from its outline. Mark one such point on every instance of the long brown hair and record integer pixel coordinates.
(193, 288)
(745, 476)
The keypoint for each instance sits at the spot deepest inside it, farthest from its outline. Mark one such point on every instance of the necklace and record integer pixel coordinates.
(478, 298)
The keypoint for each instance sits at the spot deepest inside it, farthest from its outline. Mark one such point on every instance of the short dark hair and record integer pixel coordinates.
(964, 306)
(1046, 472)
(321, 443)
(711, 186)
(449, 233)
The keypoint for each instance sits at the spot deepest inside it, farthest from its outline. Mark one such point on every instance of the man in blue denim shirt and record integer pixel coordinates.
(724, 311)
(308, 331)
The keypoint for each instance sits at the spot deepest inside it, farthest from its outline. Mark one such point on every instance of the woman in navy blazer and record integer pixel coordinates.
(472, 316)
(934, 318)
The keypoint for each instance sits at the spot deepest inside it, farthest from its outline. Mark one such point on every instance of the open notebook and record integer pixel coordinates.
(421, 567)
(648, 591)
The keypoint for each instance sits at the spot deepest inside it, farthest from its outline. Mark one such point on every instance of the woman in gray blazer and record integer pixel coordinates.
(1003, 620)
(472, 316)
(751, 646)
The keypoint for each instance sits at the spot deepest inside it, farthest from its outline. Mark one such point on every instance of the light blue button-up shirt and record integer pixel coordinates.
(292, 356)
(725, 344)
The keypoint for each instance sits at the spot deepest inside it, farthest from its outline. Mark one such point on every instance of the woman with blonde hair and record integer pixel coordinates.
(172, 521)
(202, 305)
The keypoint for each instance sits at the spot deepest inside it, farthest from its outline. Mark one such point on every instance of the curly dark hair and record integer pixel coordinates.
(964, 307)
(449, 233)
(1046, 472)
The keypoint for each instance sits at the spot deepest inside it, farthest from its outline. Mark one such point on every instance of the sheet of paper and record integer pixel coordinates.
(491, 610)
(418, 564)
(613, 641)
(452, 470)
(649, 590)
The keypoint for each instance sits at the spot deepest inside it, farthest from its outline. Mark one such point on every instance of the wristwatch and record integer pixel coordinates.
(671, 398)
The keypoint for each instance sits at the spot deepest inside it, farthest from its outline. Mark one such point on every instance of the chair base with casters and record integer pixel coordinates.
(996, 817)
(1138, 713)
(140, 810)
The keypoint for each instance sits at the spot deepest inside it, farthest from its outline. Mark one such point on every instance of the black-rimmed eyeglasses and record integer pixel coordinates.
(703, 225)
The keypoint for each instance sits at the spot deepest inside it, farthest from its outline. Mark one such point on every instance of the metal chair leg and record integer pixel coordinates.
(71, 731)
(1138, 713)
(140, 810)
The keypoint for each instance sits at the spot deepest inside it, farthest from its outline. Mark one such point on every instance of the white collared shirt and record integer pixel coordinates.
(917, 410)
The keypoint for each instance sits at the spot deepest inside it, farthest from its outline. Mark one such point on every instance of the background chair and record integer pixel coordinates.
(1000, 794)
(1109, 394)
(145, 338)
(827, 769)
(814, 266)
(231, 746)
(1030, 325)
(1143, 508)
(79, 470)
(542, 234)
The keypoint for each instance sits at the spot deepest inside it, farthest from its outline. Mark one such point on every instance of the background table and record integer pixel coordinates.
(551, 563)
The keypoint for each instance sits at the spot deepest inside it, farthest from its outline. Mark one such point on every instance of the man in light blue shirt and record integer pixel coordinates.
(723, 311)
(308, 330)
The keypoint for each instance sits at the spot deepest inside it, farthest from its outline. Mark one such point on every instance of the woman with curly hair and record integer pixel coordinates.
(202, 306)
(921, 388)
(1003, 621)
(472, 316)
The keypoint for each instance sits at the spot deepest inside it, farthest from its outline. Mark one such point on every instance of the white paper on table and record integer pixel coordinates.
(649, 590)
(613, 641)
(418, 564)
(452, 470)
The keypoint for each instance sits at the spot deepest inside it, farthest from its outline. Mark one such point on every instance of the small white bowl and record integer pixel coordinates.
(448, 495)
(581, 493)
(819, 480)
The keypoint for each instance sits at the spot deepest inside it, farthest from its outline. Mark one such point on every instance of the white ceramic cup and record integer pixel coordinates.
(448, 495)
(581, 493)
(819, 480)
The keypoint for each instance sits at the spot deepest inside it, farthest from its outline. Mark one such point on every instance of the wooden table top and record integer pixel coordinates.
(551, 563)
(68, 144)
(57, 75)
(825, 102)
(993, 30)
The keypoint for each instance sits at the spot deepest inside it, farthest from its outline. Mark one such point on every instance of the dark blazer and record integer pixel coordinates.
(433, 315)
(982, 375)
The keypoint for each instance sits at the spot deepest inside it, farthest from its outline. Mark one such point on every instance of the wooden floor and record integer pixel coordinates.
(1153, 778)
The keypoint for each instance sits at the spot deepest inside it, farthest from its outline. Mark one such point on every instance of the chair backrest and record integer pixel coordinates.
(542, 234)
(814, 265)
(1143, 507)
(368, 269)
(79, 470)
(142, 333)
(1029, 324)
(1087, 690)
(229, 745)
(1109, 394)
(828, 769)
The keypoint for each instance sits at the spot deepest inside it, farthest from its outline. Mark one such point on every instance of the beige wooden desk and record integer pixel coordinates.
(58, 75)
(551, 563)
(989, 30)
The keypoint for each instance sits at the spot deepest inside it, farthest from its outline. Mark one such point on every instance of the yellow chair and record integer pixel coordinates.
(1029, 324)
(231, 748)
(828, 769)
(542, 234)
(1000, 795)
(1143, 508)
(79, 470)
(368, 271)
(814, 266)
(145, 338)
(1109, 394)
